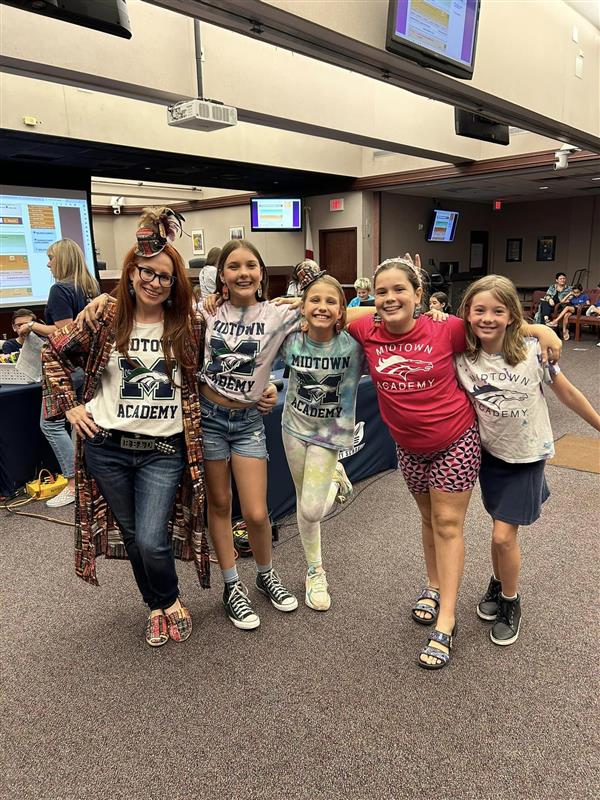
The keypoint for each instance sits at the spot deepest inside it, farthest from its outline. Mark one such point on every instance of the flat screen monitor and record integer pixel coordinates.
(30, 221)
(276, 214)
(443, 226)
(108, 16)
(441, 34)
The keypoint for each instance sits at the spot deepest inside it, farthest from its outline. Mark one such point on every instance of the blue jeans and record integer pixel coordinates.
(61, 443)
(140, 489)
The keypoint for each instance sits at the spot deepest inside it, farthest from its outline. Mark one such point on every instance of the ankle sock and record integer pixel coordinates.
(509, 598)
(230, 576)
(262, 569)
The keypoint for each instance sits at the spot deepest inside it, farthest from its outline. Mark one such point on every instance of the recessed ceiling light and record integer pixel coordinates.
(596, 179)
(543, 187)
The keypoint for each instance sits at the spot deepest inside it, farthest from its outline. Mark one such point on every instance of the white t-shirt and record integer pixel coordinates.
(510, 406)
(241, 345)
(135, 395)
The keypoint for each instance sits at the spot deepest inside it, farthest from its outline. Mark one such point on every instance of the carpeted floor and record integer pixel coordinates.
(311, 706)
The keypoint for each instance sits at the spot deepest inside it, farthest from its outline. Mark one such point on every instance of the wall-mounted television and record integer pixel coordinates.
(276, 214)
(442, 226)
(441, 34)
(31, 219)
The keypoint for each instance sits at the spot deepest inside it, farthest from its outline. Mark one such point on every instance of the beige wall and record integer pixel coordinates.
(574, 221)
(525, 52)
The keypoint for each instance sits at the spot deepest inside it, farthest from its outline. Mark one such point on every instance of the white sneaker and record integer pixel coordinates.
(61, 499)
(317, 594)
(345, 489)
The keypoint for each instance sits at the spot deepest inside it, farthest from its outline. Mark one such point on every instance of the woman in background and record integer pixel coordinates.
(73, 290)
(208, 274)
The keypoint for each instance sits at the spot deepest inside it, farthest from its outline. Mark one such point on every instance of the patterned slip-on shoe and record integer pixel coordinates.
(156, 630)
(179, 623)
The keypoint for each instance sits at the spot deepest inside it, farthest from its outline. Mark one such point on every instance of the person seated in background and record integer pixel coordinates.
(293, 287)
(21, 316)
(577, 298)
(362, 287)
(552, 301)
(208, 274)
(439, 302)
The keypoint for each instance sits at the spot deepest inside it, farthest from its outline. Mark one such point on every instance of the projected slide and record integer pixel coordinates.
(445, 27)
(30, 220)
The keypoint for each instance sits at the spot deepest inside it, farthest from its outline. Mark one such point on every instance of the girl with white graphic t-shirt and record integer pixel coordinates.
(503, 374)
(241, 342)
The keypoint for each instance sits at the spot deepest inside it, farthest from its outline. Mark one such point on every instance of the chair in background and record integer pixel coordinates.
(535, 301)
(581, 319)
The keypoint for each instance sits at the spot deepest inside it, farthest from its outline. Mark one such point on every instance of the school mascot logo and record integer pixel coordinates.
(493, 395)
(315, 392)
(357, 442)
(224, 360)
(145, 381)
(401, 366)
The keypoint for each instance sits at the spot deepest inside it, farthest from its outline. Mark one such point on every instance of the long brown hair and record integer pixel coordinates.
(177, 315)
(227, 250)
(513, 346)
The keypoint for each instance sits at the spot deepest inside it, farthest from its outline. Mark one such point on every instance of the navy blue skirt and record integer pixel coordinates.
(512, 493)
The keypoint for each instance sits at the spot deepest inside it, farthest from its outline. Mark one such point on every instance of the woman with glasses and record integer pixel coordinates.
(139, 448)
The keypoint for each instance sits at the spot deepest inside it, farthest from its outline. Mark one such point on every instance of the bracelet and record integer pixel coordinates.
(30, 325)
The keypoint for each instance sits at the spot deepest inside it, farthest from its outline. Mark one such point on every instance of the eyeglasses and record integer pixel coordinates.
(147, 275)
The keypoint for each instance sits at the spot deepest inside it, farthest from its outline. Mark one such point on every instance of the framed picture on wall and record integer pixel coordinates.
(514, 250)
(198, 242)
(546, 248)
(236, 233)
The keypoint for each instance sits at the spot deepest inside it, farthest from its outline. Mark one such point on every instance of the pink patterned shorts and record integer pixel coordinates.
(454, 469)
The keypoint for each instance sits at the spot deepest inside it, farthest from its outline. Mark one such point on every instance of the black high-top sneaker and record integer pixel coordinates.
(487, 607)
(508, 622)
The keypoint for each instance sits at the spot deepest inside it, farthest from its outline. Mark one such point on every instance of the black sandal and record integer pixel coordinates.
(428, 593)
(445, 639)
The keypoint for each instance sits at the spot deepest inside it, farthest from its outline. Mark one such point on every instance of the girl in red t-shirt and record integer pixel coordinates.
(411, 360)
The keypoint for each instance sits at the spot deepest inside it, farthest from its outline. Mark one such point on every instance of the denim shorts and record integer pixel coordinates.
(232, 430)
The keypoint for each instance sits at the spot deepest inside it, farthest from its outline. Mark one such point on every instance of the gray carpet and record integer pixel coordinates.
(319, 706)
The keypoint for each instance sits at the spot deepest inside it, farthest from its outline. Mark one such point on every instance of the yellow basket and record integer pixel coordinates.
(46, 485)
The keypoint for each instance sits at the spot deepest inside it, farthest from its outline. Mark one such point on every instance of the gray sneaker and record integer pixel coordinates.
(508, 622)
(487, 607)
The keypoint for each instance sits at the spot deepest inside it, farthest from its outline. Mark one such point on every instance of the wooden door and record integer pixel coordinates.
(337, 254)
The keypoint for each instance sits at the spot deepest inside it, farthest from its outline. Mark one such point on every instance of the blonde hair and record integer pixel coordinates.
(513, 344)
(329, 280)
(70, 267)
(362, 283)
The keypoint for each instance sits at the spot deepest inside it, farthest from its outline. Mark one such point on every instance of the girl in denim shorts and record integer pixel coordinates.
(242, 340)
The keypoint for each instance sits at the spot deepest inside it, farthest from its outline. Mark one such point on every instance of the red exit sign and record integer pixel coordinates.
(336, 204)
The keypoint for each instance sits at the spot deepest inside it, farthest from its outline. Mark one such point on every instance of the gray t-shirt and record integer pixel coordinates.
(321, 397)
(240, 347)
(510, 406)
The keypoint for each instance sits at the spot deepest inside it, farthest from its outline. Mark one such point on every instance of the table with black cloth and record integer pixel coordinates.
(23, 447)
(374, 450)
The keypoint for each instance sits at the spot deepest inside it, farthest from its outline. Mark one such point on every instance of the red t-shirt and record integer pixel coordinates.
(420, 399)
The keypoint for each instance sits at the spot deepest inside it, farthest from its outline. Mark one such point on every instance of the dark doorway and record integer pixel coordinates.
(337, 254)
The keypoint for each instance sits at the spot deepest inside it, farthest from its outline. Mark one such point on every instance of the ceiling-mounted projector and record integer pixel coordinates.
(201, 115)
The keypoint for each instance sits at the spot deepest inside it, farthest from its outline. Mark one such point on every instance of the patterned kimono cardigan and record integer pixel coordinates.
(96, 532)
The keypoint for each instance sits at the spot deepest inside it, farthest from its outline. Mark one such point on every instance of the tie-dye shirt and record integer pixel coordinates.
(321, 397)
(240, 346)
